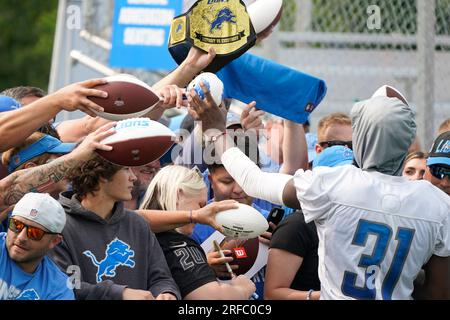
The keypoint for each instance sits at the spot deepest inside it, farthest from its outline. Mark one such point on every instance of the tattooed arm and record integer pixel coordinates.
(37, 179)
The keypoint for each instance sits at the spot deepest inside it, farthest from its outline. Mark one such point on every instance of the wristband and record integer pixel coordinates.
(308, 296)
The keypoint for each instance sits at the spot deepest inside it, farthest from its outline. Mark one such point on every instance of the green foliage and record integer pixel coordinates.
(26, 42)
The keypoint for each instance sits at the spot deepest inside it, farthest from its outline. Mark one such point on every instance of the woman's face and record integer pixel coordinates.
(415, 169)
(187, 201)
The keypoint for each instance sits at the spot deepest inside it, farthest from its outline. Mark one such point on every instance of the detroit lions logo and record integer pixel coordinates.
(118, 253)
(224, 15)
(29, 294)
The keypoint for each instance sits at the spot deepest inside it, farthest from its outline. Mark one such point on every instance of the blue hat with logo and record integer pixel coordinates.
(334, 156)
(47, 144)
(440, 151)
(8, 104)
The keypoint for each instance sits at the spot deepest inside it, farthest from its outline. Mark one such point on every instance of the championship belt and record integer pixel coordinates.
(222, 24)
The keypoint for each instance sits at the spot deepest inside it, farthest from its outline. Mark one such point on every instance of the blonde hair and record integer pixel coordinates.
(162, 193)
(444, 127)
(329, 120)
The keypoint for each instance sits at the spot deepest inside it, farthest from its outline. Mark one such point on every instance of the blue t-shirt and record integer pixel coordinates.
(202, 232)
(46, 283)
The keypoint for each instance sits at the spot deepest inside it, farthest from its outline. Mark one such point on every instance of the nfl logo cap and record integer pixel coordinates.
(46, 144)
(43, 209)
(440, 151)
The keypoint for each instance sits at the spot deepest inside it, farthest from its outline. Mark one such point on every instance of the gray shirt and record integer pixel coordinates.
(111, 254)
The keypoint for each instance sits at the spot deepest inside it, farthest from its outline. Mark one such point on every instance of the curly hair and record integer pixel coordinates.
(86, 178)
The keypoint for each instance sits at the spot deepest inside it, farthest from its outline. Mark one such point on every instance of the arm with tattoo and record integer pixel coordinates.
(38, 179)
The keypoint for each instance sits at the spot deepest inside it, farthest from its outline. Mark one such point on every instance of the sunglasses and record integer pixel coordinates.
(440, 172)
(33, 233)
(327, 144)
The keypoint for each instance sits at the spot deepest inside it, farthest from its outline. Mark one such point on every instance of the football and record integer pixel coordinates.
(137, 142)
(265, 15)
(128, 97)
(212, 82)
(244, 222)
(390, 92)
(244, 253)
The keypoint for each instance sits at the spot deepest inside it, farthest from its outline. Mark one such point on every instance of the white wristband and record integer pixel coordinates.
(255, 183)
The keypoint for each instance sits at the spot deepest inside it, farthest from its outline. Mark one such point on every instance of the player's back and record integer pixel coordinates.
(376, 232)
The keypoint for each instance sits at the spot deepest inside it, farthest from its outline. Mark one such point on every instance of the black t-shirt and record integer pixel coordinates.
(299, 238)
(187, 261)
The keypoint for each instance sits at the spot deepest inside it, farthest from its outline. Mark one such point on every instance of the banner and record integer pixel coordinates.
(141, 32)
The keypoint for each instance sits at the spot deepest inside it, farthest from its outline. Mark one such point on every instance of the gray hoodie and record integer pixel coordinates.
(383, 130)
(111, 254)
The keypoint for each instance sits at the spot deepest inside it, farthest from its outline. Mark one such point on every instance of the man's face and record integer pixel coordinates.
(28, 99)
(21, 249)
(226, 188)
(335, 132)
(120, 186)
(145, 174)
(443, 184)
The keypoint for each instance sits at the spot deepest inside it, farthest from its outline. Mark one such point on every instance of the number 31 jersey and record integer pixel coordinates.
(375, 231)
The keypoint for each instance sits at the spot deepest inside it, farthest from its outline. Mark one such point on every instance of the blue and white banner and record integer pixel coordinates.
(141, 32)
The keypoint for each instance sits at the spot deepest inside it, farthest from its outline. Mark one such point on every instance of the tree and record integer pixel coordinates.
(26, 42)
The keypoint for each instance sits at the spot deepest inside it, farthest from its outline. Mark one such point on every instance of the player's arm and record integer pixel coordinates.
(17, 125)
(282, 266)
(274, 187)
(437, 279)
(37, 179)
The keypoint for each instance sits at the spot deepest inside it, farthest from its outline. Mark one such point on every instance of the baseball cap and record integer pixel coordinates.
(333, 157)
(440, 151)
(47, 144)
(233, 119)
(8, 104)
(43, 209)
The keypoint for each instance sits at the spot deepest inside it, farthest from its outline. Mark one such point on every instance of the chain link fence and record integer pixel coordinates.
(358, 45)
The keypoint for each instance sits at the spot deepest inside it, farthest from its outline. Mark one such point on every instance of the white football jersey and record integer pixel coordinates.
(375, 231)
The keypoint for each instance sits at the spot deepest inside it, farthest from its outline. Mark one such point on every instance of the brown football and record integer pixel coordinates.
(128, 97)
(137, 142)
(265, 15)
(244, 253)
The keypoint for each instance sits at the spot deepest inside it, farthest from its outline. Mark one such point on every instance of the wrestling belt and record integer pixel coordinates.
(224, 25)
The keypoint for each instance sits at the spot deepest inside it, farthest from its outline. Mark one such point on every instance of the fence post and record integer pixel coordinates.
(426, 21)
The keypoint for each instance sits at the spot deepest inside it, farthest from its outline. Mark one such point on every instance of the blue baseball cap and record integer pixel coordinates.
(8, 104)
(47, 144)
(334, 156)
(440, 151)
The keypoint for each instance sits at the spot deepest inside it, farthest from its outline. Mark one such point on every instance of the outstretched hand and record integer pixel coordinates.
(206, 110)
(75, 96)
(92, 142)
(207, 214)
(197, 59)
